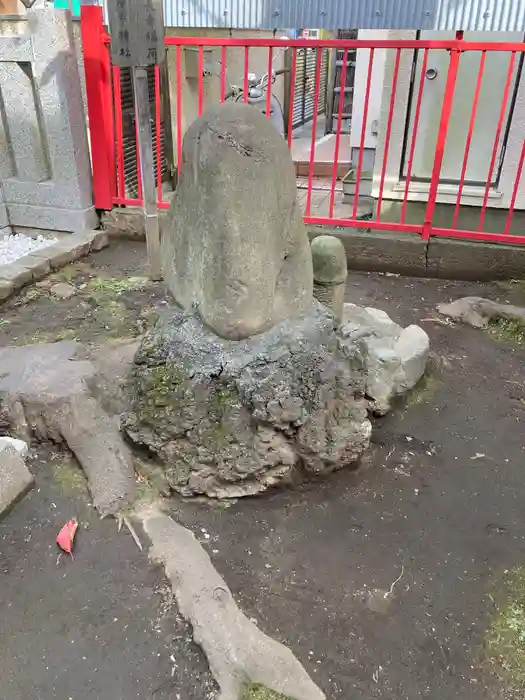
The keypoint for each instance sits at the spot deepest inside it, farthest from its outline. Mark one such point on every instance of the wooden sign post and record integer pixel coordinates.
(137, 42)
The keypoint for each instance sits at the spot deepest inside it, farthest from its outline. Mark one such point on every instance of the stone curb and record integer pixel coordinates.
(34, 266)
(384, 251)
(15, 479)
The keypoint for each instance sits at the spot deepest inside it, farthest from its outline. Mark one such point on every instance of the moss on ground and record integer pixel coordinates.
(508, 331)
(423, 392)
(69, 476)
(505, 637)
(261, 692)
(114, 286)
(426, 388)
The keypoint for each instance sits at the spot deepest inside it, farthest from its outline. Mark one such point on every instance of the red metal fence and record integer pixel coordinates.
(496, 190)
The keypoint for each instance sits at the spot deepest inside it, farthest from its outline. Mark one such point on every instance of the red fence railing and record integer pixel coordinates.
(469, 122)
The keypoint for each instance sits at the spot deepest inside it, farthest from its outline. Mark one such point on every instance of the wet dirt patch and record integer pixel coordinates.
(112, 298)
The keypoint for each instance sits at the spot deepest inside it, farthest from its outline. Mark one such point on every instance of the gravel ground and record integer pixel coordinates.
(18, 245)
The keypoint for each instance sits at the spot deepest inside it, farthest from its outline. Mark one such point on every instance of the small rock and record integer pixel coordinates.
(395, 357)
(44, 284)
(19, 445)
(62, 290)
(15, 478)
(478, 312)
(379, 601)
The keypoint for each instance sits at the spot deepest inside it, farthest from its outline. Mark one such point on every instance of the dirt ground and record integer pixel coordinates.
(101, 625)
(405, 579)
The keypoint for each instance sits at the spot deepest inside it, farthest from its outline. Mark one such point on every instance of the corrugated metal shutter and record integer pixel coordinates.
(303, 104)
(129, 137)
(471, 15)
(486, 15)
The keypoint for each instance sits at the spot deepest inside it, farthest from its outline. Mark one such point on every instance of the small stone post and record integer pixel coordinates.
(330, 273)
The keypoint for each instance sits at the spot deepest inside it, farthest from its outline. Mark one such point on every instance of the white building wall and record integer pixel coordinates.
(376, 89)
(499, 195)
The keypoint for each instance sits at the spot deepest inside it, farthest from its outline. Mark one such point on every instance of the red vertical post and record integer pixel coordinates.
(414, 134)
(158, 133)
(519, 172)
(363, 132)
(338, 133)
(246, 70)
(314, 128)
(97, 68)
(497, 139)
(446, 111)
(388, 133)
(121, 188)
(469, 137)
(292, 97)
(137, 153)
(223, 73)
(269, 88)
(178, 61)
(200, 81)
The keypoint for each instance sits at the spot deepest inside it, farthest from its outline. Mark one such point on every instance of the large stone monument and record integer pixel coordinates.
(245, 382)
(235, 248)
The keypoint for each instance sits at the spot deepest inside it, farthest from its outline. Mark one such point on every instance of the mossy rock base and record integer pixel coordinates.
(233, 418)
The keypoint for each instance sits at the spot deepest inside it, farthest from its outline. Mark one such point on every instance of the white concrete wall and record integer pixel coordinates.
(500, 195)
(376, 89)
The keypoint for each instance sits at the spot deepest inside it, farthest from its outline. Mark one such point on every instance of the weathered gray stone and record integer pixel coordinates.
(235, 248)
(38, 264)
(99, 240)
(330, 273)
(15, 478)
(15, 273)
(125, 223)
(20, 446)
(479, 312)
(232, 418)
(62, 290)
(45, 169)
(395, 357)
(67, 250)
(6, 289)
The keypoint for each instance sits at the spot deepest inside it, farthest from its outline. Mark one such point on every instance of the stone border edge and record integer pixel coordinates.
(386, 251)
(442, 258)
(37, 265)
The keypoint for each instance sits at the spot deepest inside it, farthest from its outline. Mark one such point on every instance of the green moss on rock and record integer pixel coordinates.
(261, 692)
(160, 382)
